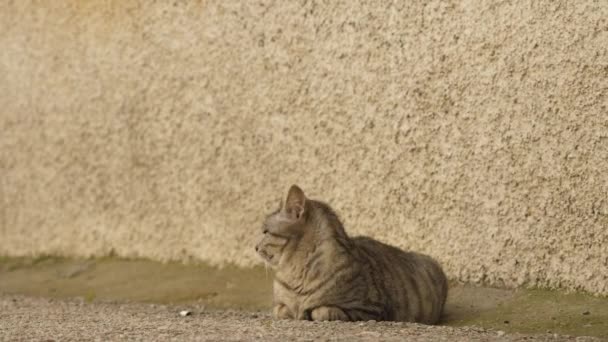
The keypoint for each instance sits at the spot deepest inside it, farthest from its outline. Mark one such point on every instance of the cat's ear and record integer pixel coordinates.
(295, 203)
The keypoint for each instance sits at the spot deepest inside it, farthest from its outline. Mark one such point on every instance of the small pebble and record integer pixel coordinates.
(586, 313)
(500, 333)
(506, 322)
(185, 313)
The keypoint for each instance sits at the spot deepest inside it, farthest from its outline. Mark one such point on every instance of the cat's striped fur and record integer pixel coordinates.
(322, 274)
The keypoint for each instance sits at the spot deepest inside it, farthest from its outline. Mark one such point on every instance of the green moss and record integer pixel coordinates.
(90, 296)
(136, 280)
(541, 311)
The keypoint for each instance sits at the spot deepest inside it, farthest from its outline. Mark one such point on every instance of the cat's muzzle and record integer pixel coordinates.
(265, 255)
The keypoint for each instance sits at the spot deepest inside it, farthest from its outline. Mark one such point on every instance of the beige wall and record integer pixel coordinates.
(475, 131)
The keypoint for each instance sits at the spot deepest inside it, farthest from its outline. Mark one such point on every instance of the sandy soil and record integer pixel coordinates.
(82, 297)
(30, 318)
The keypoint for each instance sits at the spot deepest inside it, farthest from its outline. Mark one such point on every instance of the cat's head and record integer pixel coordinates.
(288, 224)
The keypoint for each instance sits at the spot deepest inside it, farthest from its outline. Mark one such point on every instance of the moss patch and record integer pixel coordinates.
(541, 311)
(136, 280)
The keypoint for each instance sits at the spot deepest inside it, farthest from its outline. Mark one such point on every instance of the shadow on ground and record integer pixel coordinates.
(525, 311)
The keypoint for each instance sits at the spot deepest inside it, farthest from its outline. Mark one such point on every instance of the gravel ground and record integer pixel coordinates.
(42, 319)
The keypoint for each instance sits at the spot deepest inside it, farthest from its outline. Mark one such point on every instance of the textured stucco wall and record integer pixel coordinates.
(475, 131)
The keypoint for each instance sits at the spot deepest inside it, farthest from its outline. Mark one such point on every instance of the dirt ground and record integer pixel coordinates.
(28, 318)
(111, 299)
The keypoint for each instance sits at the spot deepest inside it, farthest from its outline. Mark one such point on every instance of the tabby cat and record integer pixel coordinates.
(323, 274)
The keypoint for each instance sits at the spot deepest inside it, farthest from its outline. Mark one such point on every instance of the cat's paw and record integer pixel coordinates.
(328, 313)
(281, 311)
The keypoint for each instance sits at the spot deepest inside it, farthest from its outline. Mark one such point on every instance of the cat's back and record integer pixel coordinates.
(413, 285)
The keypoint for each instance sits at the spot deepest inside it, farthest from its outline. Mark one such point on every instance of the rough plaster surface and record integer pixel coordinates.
(475, 131)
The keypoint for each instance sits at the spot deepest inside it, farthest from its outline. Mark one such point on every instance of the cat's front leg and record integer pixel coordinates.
(328, 313)
(281, 311)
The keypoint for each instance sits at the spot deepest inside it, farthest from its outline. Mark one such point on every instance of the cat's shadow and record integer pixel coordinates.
(466, 302)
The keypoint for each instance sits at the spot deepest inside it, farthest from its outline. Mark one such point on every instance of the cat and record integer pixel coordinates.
(322, 274)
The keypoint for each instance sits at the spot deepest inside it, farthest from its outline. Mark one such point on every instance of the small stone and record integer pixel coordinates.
(500, 333)
(506, 322)
(185, 313)
(586, 313)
